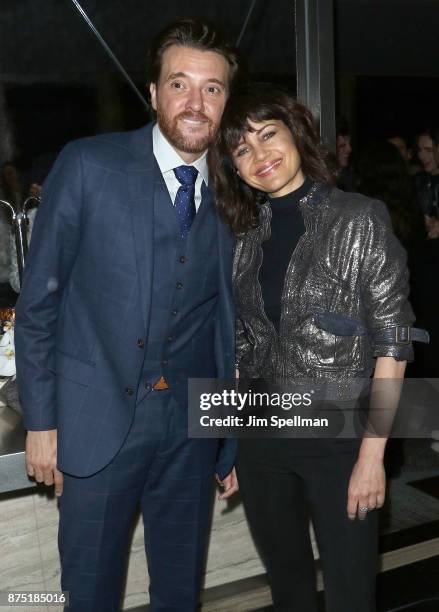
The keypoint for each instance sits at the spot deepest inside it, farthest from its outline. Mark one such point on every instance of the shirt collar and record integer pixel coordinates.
(168, 158)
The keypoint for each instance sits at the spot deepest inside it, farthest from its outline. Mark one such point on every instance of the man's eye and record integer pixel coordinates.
(177, 85)
(213, 90)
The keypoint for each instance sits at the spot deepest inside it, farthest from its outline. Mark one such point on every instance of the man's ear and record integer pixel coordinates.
(153, 92)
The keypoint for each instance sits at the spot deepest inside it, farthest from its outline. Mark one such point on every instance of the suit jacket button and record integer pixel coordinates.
(174, 312)
(148, 386)
(164, 362)
(182, 259)
(179, 285)
(140, 343)
(129, 391)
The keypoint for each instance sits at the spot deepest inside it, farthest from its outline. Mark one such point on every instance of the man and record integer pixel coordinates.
(127, 295)
(347, 177)
(427, 181)
(400, 142)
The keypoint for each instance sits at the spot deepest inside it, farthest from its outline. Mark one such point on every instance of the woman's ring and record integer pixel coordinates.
(363, 509)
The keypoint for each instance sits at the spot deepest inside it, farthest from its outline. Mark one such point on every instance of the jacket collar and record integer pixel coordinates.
(313, 206)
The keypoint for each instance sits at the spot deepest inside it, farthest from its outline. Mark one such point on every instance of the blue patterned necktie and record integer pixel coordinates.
(185, 199)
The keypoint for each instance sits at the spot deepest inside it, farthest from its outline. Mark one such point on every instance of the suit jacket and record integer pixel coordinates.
(83, 312)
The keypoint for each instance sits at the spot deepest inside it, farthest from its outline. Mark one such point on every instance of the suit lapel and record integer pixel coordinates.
(141, 193)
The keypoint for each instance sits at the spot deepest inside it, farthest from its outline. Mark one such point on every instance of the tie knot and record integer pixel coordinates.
(186, 175)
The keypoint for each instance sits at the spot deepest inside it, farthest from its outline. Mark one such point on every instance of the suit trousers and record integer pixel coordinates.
(171, 478)
(282, 489)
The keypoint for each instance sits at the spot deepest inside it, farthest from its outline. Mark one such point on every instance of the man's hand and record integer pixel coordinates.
(230, 484)
(41, 459)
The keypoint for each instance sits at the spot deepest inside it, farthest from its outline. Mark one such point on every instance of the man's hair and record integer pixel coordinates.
(237, 202)
(342, 127)
(196, 34)
(432, 132)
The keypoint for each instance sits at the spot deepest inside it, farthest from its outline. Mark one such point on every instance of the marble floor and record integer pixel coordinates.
(234, 577)
(410, 518)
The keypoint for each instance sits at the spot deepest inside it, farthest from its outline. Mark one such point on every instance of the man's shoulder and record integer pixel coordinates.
(112, 150)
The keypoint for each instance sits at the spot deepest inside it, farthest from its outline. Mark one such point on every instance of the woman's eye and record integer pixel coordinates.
(268, 135)
(241, 152)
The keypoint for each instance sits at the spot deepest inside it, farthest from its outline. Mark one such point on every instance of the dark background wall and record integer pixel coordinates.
(60, 84)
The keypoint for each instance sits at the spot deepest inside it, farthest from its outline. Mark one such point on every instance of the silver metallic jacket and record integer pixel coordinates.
(346, 282)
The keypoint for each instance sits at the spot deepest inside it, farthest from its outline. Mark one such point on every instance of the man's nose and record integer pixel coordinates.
(195, 100)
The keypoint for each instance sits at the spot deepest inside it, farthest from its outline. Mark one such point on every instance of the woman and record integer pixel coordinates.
(308, 257)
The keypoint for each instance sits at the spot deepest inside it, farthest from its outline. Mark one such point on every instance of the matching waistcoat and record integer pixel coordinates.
(180, 343)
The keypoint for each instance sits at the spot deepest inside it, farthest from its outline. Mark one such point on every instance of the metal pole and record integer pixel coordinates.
(245, 24)
(110, 53)
(20, 221)
(315, 63)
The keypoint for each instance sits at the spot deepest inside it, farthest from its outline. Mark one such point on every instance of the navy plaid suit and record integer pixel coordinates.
(82, 319)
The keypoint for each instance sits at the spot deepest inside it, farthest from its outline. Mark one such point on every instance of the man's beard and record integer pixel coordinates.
(184, 142)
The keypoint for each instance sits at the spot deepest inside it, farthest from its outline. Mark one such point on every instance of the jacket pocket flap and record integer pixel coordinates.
(73, 368)
(339, 324)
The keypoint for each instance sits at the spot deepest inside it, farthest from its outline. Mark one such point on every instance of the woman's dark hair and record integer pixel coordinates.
(384, 175)
(237, 202)
(195, 33)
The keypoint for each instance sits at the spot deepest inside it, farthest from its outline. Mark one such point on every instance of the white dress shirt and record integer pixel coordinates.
(168, 159)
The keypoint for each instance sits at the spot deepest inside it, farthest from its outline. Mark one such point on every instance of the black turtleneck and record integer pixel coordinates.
(286, 228)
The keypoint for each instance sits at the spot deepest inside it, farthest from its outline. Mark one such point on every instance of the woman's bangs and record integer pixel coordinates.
(238, 124)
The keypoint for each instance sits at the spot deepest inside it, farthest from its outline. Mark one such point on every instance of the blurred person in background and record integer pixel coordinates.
(12, 184)
(425, 287)
(11, 191)
(402, 144)
(383, 175)
(427, 181)
(37, 175)
(347, 179)
(7, 152)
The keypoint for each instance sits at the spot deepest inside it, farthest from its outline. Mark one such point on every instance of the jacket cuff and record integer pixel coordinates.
(398, 352)
(226, 457)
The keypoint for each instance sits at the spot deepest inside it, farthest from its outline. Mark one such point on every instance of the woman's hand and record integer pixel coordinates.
(367, 487)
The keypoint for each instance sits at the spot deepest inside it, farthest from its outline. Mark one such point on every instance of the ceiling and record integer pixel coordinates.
(47, 41)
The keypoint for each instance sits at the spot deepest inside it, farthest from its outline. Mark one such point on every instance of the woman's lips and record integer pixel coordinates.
(268, 168)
